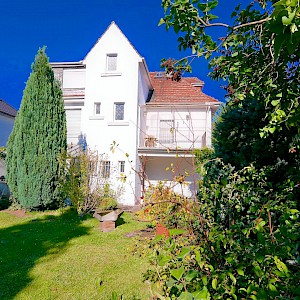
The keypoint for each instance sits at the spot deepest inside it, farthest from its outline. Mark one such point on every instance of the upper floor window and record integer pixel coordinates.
(97, 106)
(119, 111)
(111, 62)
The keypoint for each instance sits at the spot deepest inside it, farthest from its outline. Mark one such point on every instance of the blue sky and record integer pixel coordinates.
(69, 29)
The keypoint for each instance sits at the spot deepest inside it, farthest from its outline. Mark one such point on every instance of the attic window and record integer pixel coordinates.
(111, 62)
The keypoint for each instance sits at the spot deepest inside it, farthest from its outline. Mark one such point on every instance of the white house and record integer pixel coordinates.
(113, 102)
(7, 118)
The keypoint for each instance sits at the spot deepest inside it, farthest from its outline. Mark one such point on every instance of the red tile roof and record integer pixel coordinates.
(7, 109)
(186, 91)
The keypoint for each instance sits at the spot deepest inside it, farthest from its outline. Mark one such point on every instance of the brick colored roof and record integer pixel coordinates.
(186, 91)
(7, 109)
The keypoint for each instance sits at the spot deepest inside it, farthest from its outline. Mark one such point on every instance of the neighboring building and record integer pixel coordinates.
(7, 118)
(112, 101)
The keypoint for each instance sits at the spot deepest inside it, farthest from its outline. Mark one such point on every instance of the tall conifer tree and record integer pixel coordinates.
(38, 136)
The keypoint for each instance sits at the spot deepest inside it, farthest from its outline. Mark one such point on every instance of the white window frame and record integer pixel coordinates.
(109, 62)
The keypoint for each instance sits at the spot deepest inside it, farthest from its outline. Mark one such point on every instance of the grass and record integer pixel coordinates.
(58, 256)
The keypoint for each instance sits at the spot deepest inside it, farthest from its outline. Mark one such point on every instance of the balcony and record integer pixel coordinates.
(73, 92)
(176, 129)
(157, 139)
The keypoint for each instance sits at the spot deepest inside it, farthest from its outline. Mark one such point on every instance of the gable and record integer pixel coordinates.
(112, 41)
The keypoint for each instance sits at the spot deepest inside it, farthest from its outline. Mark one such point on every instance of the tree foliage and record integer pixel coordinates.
(258, 55)
(38, 136)
(243, 242)
(237, 142)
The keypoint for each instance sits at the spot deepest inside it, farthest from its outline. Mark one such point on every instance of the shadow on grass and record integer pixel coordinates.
(21, 246)
(120, 221)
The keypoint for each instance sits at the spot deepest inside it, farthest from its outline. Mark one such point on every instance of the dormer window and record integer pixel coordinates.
(111, 62)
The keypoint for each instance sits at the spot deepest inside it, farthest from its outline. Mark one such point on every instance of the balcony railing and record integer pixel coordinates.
(175, 140)
(179, 129)
(73, 92)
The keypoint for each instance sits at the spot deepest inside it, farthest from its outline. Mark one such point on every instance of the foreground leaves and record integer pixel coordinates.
(246, 249)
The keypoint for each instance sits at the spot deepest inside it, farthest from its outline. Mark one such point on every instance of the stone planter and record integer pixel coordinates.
(107, 219)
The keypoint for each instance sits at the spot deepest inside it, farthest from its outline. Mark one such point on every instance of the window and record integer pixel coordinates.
(97, 106)
(73, 117)
(111, 62)
(97, 113)
(119, 111)
(121, 166)
(105, 169)
(166, 131)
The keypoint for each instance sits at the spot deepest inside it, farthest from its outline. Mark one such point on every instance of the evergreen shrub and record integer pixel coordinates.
(38, 136)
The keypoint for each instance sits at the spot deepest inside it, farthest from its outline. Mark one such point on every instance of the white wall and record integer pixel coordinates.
(122, 86)
(2, 167)
(73, 78)
(165, 169)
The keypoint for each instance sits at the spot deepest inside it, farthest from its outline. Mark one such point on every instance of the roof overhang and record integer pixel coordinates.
(145, 71)
(74, 65)
(183, 104)
(2, 113)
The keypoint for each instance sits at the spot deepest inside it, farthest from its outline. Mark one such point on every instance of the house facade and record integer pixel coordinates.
(7, 118)
(140, 122)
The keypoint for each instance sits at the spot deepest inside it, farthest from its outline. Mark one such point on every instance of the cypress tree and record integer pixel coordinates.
(38, 136)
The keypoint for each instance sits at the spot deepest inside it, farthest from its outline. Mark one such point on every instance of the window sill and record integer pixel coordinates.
(118, 123)
(109, 74)
(96, 117)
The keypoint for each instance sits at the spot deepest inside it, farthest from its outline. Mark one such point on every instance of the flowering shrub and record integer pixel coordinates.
(164, 206)
(82, 183)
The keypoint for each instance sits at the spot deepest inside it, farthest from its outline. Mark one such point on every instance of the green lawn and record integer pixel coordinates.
(58, 256)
